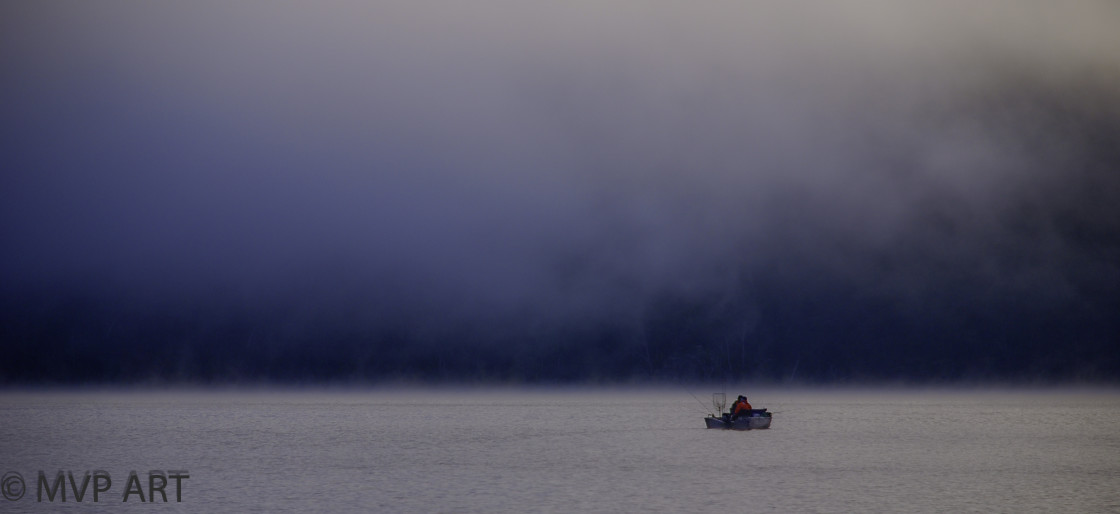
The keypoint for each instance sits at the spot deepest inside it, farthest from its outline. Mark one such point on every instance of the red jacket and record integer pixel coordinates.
(741, 407)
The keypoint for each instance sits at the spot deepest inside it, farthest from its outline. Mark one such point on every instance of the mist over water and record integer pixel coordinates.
(571, 192)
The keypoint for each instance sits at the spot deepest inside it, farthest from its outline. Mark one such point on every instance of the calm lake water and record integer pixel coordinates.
(571, 451)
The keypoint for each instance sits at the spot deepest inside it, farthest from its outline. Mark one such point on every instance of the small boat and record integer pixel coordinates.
(758, 418)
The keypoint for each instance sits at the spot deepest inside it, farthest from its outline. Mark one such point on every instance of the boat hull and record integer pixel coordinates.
(753, 422)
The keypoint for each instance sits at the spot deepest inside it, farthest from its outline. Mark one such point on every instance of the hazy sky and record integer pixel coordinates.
(567, 156)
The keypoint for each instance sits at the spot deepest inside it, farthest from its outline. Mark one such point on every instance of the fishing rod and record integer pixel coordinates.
(702, 404)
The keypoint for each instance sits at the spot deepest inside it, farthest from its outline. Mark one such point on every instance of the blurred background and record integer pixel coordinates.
(569, 192)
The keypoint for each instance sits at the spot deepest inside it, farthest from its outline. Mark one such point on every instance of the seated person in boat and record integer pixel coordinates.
(741, 408)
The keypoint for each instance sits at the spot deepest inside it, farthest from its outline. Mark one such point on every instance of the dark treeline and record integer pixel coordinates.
(768, 328)
(831, 336)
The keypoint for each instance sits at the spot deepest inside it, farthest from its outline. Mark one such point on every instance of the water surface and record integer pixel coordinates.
(565, 451)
